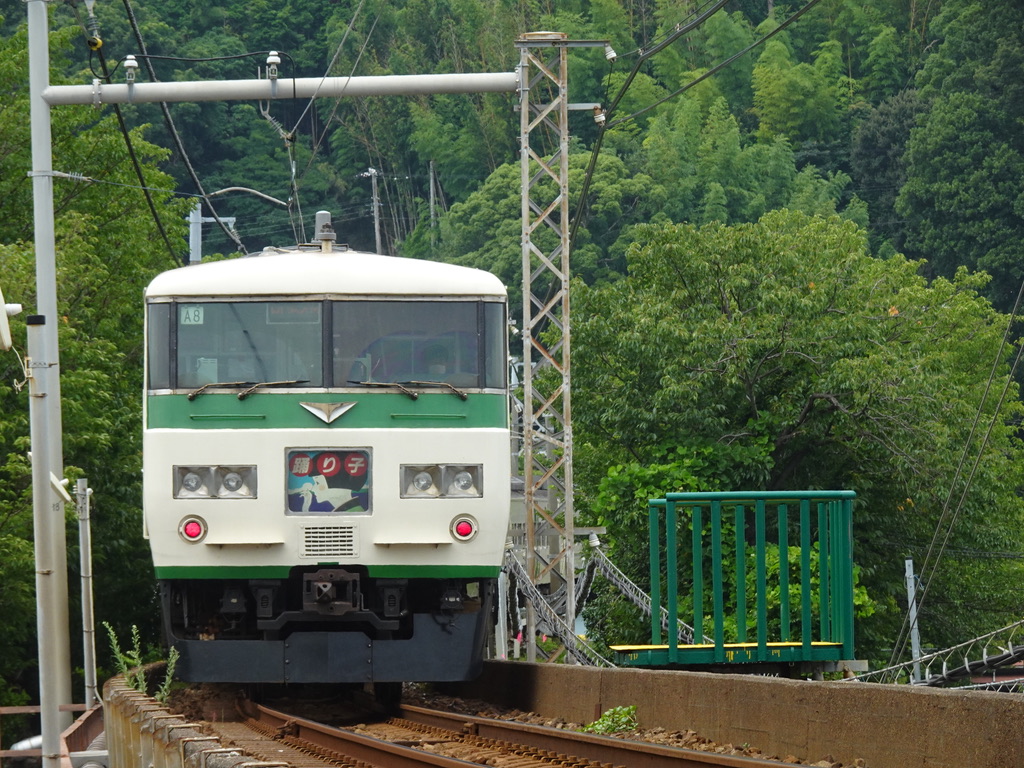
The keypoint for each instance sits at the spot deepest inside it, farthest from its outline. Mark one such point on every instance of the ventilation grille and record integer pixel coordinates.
(330, 541)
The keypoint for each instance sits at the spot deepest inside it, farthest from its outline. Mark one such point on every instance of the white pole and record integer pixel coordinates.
(47, 452)
(915, 632)
(46, 527)
(82, 494)
(376, 207)
(433, 217)
(196, 221)
(195, 235)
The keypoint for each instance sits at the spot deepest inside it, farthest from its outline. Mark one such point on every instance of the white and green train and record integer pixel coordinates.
(326, 464)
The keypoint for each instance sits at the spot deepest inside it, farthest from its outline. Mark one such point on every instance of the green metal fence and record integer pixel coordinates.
(769, 575)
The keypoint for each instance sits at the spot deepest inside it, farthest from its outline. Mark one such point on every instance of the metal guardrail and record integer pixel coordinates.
(580, 651)
(634, 594)
(1000, 649)
(728, 530)
(32, 709)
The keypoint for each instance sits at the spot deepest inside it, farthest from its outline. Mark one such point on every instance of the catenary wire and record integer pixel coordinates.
(932, 561)
(178, 144)
(146, 190)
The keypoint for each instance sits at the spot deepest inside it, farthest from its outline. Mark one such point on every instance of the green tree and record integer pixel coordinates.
(779, 355)
(965, 160)
(108, 247)
(485, 230)
(886, 64)
(796, 99)
(877, 162)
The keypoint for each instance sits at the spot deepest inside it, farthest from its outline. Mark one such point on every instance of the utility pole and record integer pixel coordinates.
(82, 494)
(373, 173)
(433, 217)
(195, 232)
(915, 632)
(54, 641)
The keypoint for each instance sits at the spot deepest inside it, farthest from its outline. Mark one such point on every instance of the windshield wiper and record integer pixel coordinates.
(246, 392)
(405, 390)
(442, 384)
(192, 395)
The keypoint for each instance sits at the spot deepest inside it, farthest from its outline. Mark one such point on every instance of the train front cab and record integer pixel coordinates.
(351, 531)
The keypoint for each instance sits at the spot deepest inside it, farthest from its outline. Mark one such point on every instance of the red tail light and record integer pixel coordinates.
(192, 529)
(464, 528)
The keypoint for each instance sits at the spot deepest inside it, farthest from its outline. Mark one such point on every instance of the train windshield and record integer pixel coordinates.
(352, 343)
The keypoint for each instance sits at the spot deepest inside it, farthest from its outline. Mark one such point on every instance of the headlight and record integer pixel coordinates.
(462, 481)
(450, 481)
(234, 482)
(192, 482)
(420, 482)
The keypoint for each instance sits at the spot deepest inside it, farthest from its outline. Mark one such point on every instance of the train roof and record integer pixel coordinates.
(285, 272)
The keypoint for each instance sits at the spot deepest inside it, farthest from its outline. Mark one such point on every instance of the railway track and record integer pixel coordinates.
(417, 737)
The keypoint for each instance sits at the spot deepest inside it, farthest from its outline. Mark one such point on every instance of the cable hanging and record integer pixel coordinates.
(942, 529)
(95, 44)
(646, 54)
(179, 146)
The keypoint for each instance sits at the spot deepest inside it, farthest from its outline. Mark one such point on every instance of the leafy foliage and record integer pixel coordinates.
(129, 664)
(965, 159)
(108, 248)
(614, 720)
(779, 355)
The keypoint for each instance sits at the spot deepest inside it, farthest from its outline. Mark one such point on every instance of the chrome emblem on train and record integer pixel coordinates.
(328, 412)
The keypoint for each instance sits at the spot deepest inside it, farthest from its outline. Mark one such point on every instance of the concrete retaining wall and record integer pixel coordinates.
(141, 733)
(887, 726)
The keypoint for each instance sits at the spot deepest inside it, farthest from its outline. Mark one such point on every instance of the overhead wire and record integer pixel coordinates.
(178, 144)
(944, 529)
(334, 59)
(647, 53)
(289, 137)
(318, 141)
(95, 44)
(718, 67)
(681, 29)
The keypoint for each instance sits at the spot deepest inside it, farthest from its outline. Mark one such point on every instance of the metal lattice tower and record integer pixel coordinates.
(547, 425)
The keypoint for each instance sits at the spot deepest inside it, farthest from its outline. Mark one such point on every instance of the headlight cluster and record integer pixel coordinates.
(235, 482)
(442, 481)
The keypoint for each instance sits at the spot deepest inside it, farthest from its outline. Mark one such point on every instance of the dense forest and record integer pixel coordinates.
(795, 273)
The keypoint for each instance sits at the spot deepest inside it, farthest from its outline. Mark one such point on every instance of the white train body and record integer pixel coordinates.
(326, 465)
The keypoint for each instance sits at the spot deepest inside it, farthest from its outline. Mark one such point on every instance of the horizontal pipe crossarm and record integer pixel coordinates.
(283, 88)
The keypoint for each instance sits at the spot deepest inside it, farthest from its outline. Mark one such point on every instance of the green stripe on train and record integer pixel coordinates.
(282, 571)
(264, 410)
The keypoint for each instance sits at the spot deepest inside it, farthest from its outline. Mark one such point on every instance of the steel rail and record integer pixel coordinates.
(353, 745)
(601, 749)
(568, 745)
